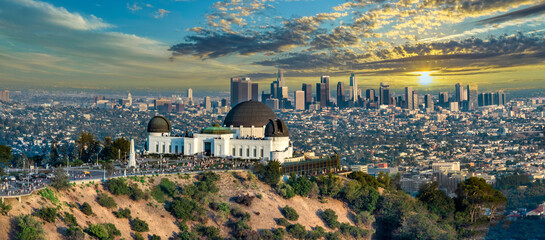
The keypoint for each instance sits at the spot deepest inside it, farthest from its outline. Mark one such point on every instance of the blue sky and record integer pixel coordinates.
(170, 44)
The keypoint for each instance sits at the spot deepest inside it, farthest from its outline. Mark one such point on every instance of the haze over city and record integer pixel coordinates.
(159, 45)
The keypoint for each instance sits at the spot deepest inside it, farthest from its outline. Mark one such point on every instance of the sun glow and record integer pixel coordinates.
(425, 78)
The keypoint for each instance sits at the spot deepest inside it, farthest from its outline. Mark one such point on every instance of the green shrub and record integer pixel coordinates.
(185, 209)
(279, 233)
(28, 228)
(154, 237)
(106, 201)
(209, 232)
(301, 185)
(330, 218)
(137, 194)
(285, 190)
(282, 222)
(74, 233)
(333, 236)
(353, 231)
(48, 194)
(123, 213)
(4, 208)
(297, 231)
(139, 225)
(157, 194)
(48, 214)
(266, 234)
(316, 233)
(104, 231)
(168, 187)
(86, 209)
(138, 236)
(118, 186)
(290, 213)
(70, 219)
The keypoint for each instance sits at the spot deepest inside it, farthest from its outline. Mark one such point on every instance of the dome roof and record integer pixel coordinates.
(159, 124)
(249, 113)
(276, 128)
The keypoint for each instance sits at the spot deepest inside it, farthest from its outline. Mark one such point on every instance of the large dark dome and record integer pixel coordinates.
(276, 128)
(159, 124)
(249, 113)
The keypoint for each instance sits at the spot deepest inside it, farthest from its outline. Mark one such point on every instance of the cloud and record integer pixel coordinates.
(526, 12)
(161, 13)
(51, 15)
(494, 53)
(134, 7)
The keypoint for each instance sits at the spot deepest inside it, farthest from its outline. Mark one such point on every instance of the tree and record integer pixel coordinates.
(421, 226)
(87, 146)
(122, 146)
(60, 179)
(360, 197)
(330, 185)
(474, 194)
(436, 200)
(270, 173)
(365, 179)
(301, 185)
(5, 153)
(28, 228)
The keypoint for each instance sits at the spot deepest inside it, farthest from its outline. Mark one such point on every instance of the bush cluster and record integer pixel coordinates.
(86, 209)
(70, 219)
(4, 208)
(139, 225)
(74, 233)
(27, 227)
(123, 213)
(106, 201)
(48, 214)
(285, 190)
(186, 209)
(297, 231)
(103, 231)
(290, 213)
(330, 218)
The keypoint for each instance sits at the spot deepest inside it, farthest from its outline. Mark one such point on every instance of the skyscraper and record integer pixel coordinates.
(255, 91)
(458, 96)
(416, 102)
(307, 88)
(370, 95)
(207, 104)
(472, 96)
(384, 94)
(499, 98)
(325, 93)
(241, 90)
(443, 99)
(408, 98)
(428, 101)
(353, 88)
(299, 100)
(341, 95)
(190, 96)
(280, 78)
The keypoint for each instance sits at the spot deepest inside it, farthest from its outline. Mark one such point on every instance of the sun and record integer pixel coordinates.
(425, 78)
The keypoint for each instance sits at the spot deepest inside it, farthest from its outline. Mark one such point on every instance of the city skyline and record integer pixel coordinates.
(199, 44)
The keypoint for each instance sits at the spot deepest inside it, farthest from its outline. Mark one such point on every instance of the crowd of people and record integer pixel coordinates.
(11, 188)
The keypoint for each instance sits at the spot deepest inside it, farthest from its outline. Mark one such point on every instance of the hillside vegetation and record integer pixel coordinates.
(242, 205)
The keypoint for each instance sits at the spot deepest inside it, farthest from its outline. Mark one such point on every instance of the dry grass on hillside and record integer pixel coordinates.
(263, 211)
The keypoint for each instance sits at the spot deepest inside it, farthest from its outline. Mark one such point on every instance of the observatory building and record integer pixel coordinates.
(251, 130)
